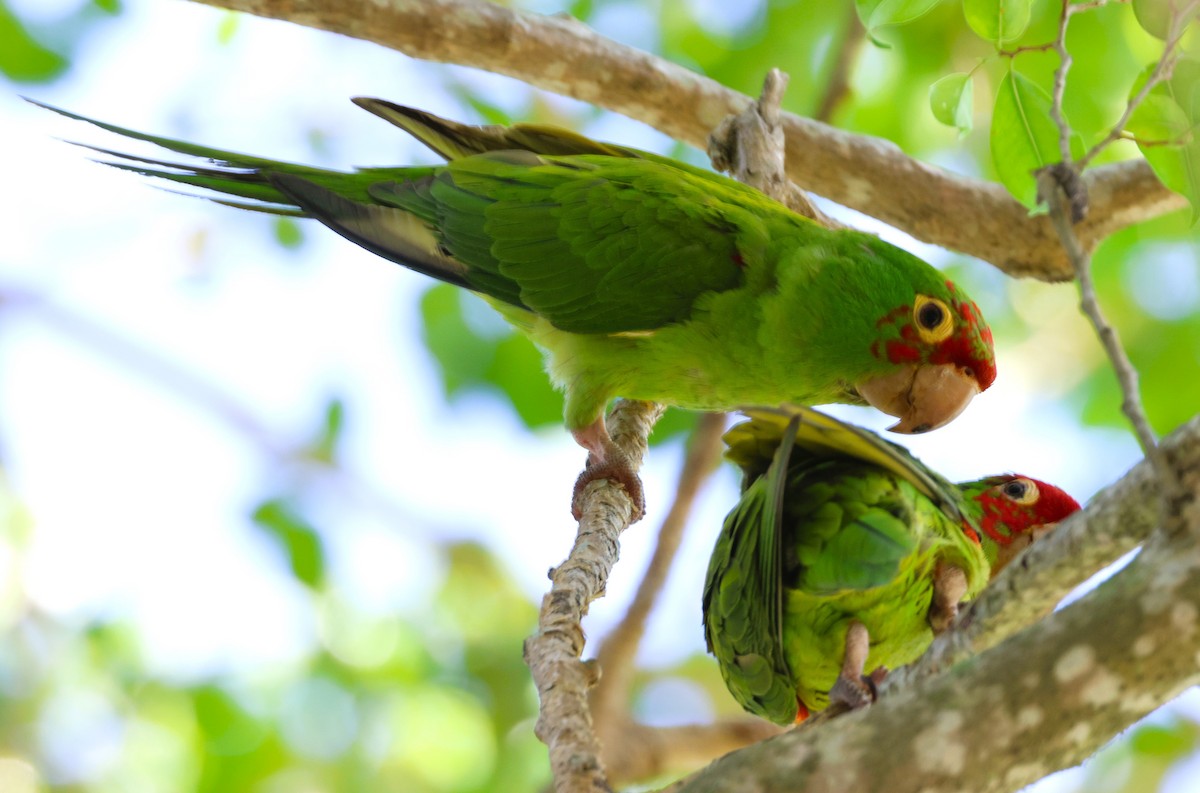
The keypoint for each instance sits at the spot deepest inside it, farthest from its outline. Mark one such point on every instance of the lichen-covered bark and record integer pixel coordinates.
(869, 174)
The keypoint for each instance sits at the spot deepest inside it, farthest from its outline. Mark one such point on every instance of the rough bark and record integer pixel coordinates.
(553, 653)
(871, 175)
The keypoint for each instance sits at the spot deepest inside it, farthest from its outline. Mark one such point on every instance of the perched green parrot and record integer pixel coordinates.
(846, 554)
(637, 275)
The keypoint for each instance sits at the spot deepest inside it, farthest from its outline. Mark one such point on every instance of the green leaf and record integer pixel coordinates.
(998, 21)
(876, 14)
(1155, 15)
(518, 371)
(301, 542)
(108, 6)
(324, 448)
(228, 26)
(1157, 121)
(952, 99)
(1165, 127)
(287, 232)
(1024, 137)
(22, 59)
(462, 354)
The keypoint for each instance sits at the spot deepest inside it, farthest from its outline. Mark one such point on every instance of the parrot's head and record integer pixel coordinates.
(1014, 511)
(938, 349)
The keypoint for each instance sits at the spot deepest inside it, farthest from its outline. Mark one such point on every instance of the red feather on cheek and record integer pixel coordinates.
(971, 346)
(1052, 505)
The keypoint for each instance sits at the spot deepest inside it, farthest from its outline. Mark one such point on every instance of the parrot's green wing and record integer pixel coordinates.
(600, 240)
(743, 597)
(822, 436)
(452, 140)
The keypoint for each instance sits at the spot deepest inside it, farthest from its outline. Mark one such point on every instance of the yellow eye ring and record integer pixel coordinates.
(1020, 491)
(933, 318)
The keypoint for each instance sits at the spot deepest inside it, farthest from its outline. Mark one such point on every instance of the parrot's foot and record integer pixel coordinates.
(949, 586)
(606, 461)
(853, 689)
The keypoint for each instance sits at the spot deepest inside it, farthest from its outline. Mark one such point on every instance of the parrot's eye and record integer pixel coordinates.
(933, 318)
(1021, 491)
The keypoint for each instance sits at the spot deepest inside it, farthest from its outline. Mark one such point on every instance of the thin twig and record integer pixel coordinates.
(1061, 181)
(610, 696)
(553, 653)
(1127, 377)
(1162, 71)
(838, 87)
(750, 146)
(1060, 84)
(655, 751)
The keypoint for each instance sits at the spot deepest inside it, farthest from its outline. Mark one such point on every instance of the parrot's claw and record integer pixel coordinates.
(857, 692)
(615, 468)
(606, 461)
(949, 586)
(853, 689)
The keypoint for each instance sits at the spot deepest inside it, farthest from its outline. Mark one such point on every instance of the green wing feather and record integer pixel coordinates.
(452, 140)
(823, 436)
(743, 597)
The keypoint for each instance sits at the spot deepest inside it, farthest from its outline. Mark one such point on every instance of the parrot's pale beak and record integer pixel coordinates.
(923, 397)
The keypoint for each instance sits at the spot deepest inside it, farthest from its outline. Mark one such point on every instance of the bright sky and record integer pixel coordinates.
(140, 498)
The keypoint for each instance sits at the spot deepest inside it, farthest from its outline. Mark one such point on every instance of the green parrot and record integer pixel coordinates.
(843, 554)
(637, 275)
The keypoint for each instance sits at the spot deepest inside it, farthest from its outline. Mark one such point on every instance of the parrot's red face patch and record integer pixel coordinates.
(936, 331)
(1014, 505)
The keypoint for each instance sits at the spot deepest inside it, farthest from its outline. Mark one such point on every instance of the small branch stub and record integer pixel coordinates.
(751, 147)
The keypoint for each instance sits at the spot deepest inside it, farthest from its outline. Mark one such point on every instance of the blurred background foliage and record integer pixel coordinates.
(434, 696)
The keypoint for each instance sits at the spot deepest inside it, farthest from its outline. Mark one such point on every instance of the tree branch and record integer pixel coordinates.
(651, 752)
(609, 699)
(1043, 700)
(564, 723)
(871, 175)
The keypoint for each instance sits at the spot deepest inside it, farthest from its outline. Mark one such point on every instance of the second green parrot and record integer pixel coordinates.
(638, 275)
(845, 554)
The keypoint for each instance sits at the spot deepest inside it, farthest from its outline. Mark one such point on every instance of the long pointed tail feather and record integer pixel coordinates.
(394, 234)
(234, 173)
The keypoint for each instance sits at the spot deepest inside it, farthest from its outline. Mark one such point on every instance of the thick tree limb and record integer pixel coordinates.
(564, 723)
(1043, 700)
(868, 174)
